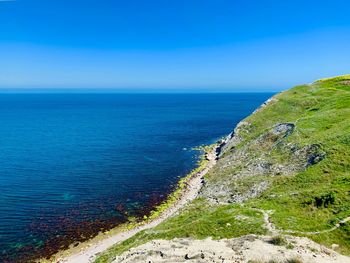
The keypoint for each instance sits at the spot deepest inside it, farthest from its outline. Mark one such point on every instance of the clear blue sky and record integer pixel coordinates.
(166, 44)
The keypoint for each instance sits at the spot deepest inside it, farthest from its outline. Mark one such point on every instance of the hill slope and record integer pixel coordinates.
(283, 172)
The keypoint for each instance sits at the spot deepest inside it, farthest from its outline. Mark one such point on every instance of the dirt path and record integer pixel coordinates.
(343, 221)
(269, 226)
(89, 254)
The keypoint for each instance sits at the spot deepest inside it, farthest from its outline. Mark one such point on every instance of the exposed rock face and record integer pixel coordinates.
(249, 248)
(276, 134)
(240, 160)
(234, 138)
(252, 192)
(311, 153)
(345, 82)
(283, 129)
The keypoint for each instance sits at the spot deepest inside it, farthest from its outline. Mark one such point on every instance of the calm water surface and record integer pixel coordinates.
(74, 164)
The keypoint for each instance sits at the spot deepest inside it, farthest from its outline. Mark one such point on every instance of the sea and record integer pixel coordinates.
(75, 164)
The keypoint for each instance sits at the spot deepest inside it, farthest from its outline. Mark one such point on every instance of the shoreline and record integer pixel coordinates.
(187, 190)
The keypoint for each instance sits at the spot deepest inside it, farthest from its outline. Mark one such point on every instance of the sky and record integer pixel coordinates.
(220, 45)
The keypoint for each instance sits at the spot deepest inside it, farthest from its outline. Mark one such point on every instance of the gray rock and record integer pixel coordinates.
(253, 160)
(283, 129)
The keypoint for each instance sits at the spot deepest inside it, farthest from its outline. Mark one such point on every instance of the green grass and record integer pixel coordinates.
(294, 260)
(198, 221)
(334, 237)
(321, 112)
(278, 241)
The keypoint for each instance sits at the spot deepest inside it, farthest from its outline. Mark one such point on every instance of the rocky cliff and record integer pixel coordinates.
(279, 192)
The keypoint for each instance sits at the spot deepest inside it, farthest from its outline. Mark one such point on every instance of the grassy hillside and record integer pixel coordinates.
(289, 160)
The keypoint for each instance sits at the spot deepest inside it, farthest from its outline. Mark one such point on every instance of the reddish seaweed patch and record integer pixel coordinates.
(61, 232)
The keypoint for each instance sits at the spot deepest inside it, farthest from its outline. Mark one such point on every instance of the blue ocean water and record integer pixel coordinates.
(74, 164)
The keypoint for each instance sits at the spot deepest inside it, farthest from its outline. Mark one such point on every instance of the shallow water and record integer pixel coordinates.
(73, 164)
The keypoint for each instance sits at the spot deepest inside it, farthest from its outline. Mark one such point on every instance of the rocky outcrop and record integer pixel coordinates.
(244, 167)
(310, 154)
(249, 248)
(235, 137)
(283, 129)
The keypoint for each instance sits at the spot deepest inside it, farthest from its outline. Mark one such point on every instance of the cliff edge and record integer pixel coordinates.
(279, 191)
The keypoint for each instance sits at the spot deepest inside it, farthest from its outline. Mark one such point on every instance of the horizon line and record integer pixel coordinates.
(132, 90)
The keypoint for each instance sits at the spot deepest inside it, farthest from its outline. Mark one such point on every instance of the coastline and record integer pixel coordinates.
(190, 186)
(187, 190)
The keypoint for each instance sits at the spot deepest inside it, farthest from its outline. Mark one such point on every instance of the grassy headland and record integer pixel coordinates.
(288, 161)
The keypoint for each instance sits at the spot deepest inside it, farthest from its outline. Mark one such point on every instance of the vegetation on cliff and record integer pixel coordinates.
(285, 170)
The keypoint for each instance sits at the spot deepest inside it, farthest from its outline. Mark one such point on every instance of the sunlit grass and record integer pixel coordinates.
(321, 113)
